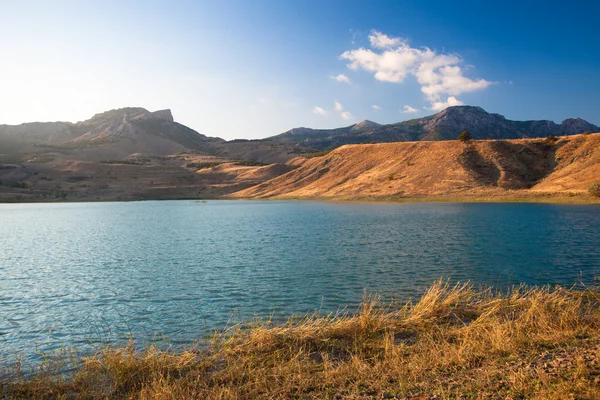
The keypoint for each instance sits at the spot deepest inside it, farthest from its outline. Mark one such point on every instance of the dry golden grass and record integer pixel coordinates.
(526, 168)
(456, 342)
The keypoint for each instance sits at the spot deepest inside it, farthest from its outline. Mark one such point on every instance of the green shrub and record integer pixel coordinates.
(128, 162)
(587, 133)
(595, 189)
(250, 163)
(18, 185)
(551, 139)
(464, 136)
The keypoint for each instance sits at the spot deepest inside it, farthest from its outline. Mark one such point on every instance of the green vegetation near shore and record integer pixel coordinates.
(455, 342)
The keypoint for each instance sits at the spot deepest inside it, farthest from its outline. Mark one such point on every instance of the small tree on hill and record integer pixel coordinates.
(464, 137)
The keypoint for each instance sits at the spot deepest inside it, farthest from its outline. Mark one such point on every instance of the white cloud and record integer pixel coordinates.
(394, 59)
(409, 110)
(450, 80)
(382, 41)
(346, 115)
(338, 106)
(440, 105)
(375, 107)
(319, 111)
(341, 78)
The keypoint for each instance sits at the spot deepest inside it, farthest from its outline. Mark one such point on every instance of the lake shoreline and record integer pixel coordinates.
(544, 198)
(456, 341)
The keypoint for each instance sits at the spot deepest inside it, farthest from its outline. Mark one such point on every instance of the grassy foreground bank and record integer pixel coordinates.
(455, 342)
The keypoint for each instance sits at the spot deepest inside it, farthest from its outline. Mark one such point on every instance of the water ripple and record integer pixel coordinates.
(97, 273)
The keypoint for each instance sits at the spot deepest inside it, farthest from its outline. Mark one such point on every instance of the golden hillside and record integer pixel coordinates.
(565, 165)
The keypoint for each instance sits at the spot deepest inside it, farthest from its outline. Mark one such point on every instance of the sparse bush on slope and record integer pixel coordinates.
(464, 136)
(594, 189)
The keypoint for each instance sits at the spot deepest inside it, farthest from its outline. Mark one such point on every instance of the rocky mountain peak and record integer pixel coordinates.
(163, 115)
(463, 110)
(459, 118)
(119, 113)
(366, 124)
(577, 125)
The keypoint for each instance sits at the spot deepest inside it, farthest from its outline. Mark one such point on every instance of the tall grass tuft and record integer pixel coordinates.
(457, 341)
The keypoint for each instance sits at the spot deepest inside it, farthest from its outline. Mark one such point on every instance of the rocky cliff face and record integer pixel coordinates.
(162, 115)
(446, 125)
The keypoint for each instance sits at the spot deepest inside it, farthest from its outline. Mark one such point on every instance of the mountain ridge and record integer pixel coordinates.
(117, 133)
(133, 153)
(445, 125)
(156, 130)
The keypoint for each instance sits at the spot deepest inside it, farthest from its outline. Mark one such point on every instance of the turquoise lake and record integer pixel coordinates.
(91, 273)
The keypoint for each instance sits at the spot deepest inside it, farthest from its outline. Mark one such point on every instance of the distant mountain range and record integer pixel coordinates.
(445, 125)
(115, 134)
(132, 154)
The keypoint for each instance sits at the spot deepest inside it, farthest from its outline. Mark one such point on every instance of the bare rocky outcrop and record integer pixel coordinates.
(162, 115)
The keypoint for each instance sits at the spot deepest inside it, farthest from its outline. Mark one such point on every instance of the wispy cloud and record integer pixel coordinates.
(346, 115)
(341, 78)
(319, 111)
(339, 108)
(375, 107)
(409, 110)
(383, 41)
(394, 59)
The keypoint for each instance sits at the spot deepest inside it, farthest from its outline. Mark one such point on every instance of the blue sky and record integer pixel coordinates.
(251, 69)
